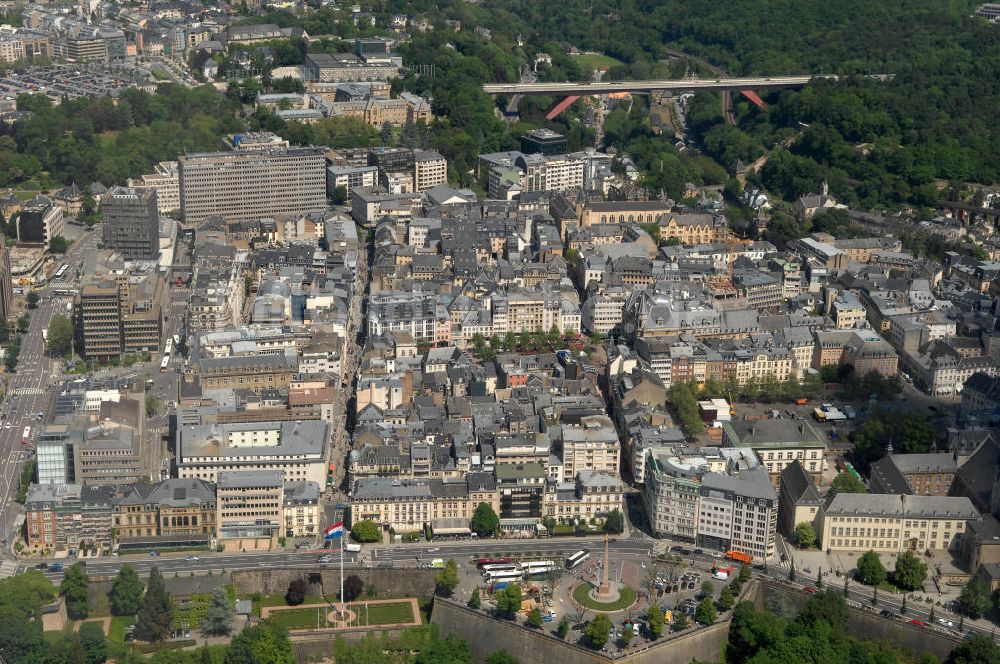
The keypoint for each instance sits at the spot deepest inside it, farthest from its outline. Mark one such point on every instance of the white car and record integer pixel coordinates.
(434, 550)
(192, 559)
(945, 623)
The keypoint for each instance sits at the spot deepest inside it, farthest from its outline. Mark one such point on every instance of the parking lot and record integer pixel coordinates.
(61, 81)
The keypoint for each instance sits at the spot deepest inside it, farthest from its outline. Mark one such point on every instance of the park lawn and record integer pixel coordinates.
(279, 600)
(300, 618)
(384, 614)
(596, 61)
(116, 632)
(626, 598)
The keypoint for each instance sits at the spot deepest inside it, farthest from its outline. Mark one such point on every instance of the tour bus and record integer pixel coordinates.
(577, 559)
(505, 575)
(510, 567)
(483, 562)
(541, 570)
(532, 566)
(26, 436)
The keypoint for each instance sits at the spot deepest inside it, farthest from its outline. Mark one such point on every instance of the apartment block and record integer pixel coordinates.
(296, 450)
(407, 505)
(302, 514)
(738, 511)
(131, 222)
(430, 169)
(886, 523)
(61, 516)
(589, 445)
(250, 184)
(249, 507)
(166, 181)
(40, 221)
(777, 443)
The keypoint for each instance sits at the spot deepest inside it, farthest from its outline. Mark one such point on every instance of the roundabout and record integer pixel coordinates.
(616, 599)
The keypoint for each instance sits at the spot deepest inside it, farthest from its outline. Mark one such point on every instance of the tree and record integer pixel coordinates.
(846, 483)
(563, 628)
(627, 635)
(220, 615)
(366, 531)
(21, 640)
(60, 335)
(805, 535)
(93, 643)
(726, 599)
(475, 601)
(500, 657)
(870, 569)
(680, 621)
(485, 521)
(707, 589)
(598, 631)
(910, 571)
(126, 592)
(339, 195)
(977, 650)
(614, 522)
(353, 587)
(446, 579)
(706, 613)
(152, 405)
(654, 617)
(828, 607)
(509, 600)
(974, 600)
(264, 643)
(58, 244)
(296, 593)
(74, 590)
(156, 615)
(534, 617)
(32, 300)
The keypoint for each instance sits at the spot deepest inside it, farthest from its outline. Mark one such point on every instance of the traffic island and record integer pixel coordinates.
(615, 599)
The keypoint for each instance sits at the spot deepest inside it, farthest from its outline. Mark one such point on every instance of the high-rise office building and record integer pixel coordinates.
(247, 186)
(131, 222)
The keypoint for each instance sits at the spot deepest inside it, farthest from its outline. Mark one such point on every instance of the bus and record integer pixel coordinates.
(26, 436)
(164, 363)
(45, 336)
(493, 577)
(540, 571)
(577, 559)
(483, 562)
(531, 565)
(60, 272)
(510, 567)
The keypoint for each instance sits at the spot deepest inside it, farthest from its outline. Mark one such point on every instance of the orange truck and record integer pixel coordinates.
(740, 556)
(801, 402)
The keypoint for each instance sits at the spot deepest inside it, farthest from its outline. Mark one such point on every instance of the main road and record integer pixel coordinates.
(691, 84)
(27, 394)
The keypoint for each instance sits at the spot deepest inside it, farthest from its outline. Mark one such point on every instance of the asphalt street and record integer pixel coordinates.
(27, 392)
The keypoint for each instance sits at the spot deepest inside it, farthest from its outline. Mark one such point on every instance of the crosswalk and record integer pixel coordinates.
(27, 391)
(8, 568)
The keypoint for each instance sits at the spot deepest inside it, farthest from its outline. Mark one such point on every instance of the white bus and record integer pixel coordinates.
(577, 559)
(164, 363)
(532, 565)
(500, 568)
(506, 575)
(540, 571)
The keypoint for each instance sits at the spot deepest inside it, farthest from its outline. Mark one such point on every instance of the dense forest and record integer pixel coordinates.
(882, 144)
(106, 140)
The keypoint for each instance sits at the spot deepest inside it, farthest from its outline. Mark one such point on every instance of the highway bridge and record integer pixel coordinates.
(686, 84)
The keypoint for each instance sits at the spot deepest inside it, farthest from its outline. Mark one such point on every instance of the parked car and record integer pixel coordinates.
(42, 566)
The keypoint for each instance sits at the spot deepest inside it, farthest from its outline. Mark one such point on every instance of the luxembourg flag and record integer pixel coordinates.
(334, 531)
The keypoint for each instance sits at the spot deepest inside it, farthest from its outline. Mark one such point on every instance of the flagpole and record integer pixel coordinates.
(342, 613)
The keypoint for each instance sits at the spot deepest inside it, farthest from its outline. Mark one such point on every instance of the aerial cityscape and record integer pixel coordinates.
(499, 332)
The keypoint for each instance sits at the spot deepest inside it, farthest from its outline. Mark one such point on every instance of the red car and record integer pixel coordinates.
(918, 623)
(809, 589)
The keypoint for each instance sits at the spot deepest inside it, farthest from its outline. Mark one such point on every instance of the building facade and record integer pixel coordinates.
(131, 222)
